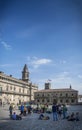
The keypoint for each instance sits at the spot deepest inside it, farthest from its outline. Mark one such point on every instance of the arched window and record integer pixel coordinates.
(66, 94)
(38, 100)
(72, 100)
(67, 101)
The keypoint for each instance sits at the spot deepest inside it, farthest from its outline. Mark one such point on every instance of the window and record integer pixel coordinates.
(7, 88)
(66, 94)
(38, 101)
(72, 94)
(60, 94)
(61, 101)
(67, 101)
(72, 101)
(14, 88)
(48, 100)
(10, 87)
(23, 90)
(38, 95)
(48, 95)
(43, 94)
(43, 100)
(0, 89)
(19, 90)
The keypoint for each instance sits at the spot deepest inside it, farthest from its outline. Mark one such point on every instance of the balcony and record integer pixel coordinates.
(14, 93)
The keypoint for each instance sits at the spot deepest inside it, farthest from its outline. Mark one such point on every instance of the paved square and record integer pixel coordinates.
(31, 122)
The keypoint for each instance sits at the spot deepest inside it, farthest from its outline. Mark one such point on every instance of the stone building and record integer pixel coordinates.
(61, 96)
(13, 90)
(79, 98)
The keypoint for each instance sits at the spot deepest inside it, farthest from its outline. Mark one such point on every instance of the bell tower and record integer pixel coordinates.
(25, 74)
(47, 85)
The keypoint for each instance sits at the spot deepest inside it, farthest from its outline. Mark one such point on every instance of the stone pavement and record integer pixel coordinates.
(31, 122)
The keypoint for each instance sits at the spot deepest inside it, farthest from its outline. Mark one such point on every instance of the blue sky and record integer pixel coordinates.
(47, 36)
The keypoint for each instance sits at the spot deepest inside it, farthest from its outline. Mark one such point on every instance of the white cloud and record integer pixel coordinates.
(6, 65)
(6, 45)
(36, 62)
(41, 61)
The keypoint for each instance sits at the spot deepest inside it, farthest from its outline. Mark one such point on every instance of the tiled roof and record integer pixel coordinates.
(58, 90)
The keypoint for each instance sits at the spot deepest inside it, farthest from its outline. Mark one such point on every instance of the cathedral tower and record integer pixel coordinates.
(25, 74)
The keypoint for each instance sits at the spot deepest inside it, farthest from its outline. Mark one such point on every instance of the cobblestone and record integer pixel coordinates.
(31, 122)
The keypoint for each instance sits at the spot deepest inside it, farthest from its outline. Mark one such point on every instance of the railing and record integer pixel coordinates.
(15, 93)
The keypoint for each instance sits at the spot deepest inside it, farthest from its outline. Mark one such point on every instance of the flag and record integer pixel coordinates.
(49, 80)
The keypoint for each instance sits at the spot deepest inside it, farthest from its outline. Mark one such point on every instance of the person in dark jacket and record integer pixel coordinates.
(54, 110)
(22, 109)
(10, 110)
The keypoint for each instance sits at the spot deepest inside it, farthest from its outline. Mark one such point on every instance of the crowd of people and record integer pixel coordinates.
(23, 111)
(58, 111)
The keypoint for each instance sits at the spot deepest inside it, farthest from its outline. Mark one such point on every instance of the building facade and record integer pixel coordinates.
(79, 98)
(13, 90)
(60, 96)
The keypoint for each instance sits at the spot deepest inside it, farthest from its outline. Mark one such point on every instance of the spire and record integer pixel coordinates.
(25, 69)
(70, 86)
(25, 73)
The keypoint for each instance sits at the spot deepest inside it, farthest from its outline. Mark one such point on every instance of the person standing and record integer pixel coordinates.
(54, 110)
(10, 110)
(64, 111)
(22, 109)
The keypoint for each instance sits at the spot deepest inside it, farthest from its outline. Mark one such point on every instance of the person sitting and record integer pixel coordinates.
(42, 117)
(77, 116)
(72, 117)
(16, 117)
